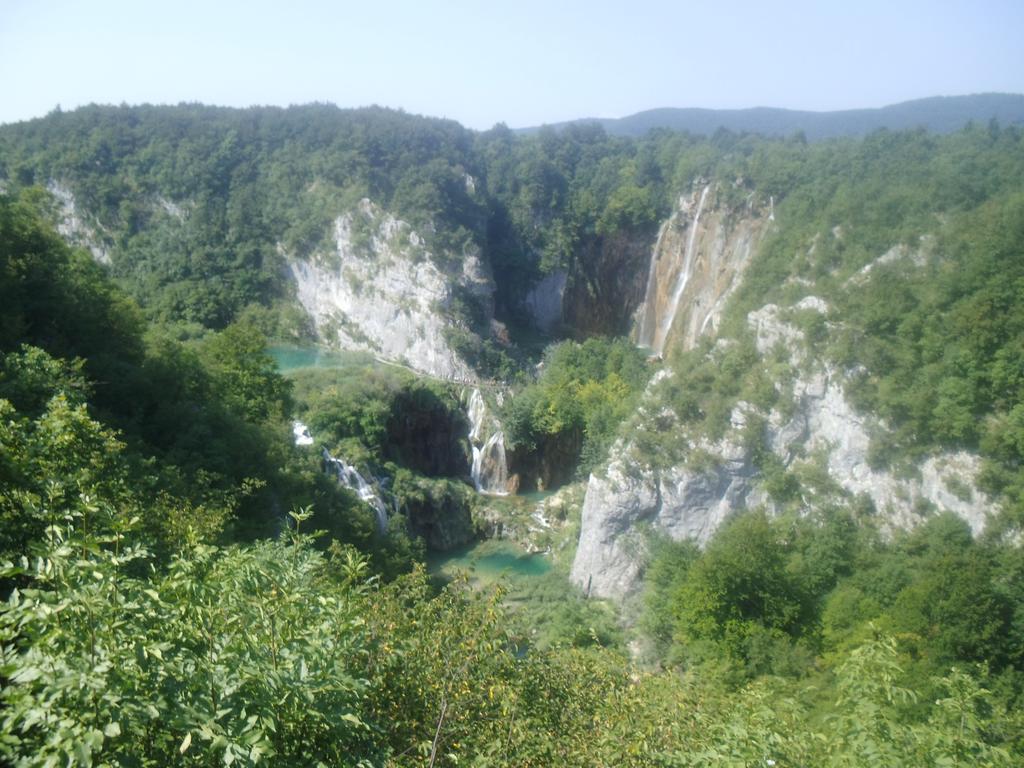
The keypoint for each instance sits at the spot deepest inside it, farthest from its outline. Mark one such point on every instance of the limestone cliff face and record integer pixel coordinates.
(74, 226)
(697, 261)
(629, 499)
(381, 291)
(692, 500)
(825, 422)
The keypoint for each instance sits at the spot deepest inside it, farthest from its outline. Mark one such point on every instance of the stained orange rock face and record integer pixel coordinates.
(697, 260)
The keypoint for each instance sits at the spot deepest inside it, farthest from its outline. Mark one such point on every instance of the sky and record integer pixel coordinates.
(522, 63)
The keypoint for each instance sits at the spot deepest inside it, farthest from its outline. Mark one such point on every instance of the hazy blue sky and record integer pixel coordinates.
(522, 63)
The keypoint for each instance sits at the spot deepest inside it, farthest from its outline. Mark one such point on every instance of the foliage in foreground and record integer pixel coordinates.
(783, 596)
(191, 436)
(276, 653)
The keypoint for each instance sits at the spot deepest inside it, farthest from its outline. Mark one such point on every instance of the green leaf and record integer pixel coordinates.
(185, 743)
(83, 754)
(26, 675)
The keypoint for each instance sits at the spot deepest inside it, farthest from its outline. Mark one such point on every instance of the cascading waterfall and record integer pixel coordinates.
(489, 469)
(346, 474)
(349, 477)
(476, 412)
(682, 279)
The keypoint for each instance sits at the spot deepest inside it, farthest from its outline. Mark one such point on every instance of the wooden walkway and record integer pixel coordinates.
(492, 384)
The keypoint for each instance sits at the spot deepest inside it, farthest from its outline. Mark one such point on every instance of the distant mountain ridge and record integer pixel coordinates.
(938, 114)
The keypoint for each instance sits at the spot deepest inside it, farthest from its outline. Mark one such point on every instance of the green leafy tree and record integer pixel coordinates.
(739, 586)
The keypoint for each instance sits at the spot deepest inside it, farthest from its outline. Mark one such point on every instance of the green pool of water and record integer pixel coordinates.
(490, 561)
(292, 357)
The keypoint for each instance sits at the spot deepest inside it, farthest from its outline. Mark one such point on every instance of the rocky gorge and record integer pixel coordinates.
(423, 269)
(697, 260)
(358, 436)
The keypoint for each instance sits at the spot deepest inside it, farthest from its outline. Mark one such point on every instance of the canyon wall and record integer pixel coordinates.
(380, 290)
(820, 430)
(697, 261)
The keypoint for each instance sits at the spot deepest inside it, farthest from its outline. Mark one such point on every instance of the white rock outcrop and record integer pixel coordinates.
(381, 291)
(627, 501)
(72, 224)
(691, 503)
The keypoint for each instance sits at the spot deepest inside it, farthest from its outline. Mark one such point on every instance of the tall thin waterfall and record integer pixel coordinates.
(681, 280)
(489, 469)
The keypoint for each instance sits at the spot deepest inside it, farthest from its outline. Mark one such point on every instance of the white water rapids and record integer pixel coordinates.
(349, 477)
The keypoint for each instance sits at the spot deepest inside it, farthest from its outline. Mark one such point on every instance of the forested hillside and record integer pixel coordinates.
(939, 114)
(183, 583)
(192, 202)
(914, 244)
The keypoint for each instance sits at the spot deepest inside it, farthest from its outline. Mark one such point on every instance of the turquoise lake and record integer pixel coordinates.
(536, 497)
(292, 357)
(490, 561)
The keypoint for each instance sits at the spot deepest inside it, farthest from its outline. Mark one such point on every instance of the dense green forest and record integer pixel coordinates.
(190, 437)
(567, 418)
(193, 200)
(184, 584)
(931, 331)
